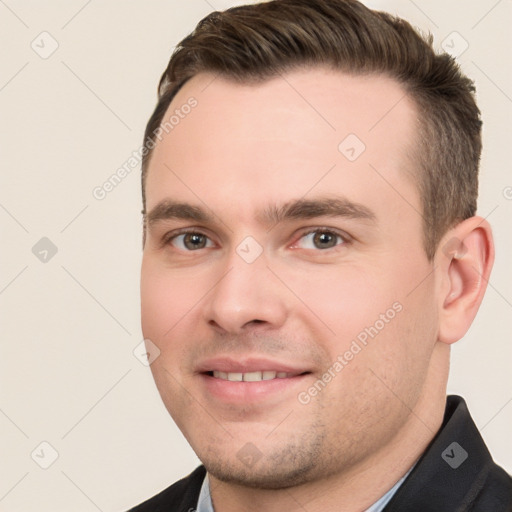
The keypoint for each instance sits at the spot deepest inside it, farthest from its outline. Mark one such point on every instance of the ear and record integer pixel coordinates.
(464, 261)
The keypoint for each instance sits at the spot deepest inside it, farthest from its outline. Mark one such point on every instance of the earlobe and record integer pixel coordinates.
(464, 258)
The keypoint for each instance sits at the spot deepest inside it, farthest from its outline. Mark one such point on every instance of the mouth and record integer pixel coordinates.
(250, 380)
(256, 376)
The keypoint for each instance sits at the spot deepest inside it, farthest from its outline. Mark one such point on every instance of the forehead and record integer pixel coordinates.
(308, 131)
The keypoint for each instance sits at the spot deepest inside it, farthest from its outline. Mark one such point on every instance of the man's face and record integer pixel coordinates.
(280, 251)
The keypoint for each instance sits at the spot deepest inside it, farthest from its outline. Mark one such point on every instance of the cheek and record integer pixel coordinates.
(346, 299)
(373, 315)
(172, 313)
(168, 304)
(165, 300)
(155, 302)
(400, 337)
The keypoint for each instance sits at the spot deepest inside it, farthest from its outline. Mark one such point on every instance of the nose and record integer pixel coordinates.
(247, 296)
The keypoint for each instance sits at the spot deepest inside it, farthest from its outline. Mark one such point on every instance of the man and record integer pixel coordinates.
(311, 251)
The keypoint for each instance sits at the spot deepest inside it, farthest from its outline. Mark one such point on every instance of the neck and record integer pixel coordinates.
(351, 490)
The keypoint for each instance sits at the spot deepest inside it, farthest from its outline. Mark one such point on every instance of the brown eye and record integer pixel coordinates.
(320, 239)
(191, 241)
(325, 240)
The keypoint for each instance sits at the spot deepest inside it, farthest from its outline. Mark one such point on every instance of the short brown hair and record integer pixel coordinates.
(253, 43)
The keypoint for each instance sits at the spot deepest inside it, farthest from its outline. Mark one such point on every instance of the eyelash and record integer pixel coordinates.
(345, 238)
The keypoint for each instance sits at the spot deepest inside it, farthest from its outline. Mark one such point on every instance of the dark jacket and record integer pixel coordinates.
(455, 474)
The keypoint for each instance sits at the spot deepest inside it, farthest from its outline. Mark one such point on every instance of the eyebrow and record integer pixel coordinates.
(322, 207)
(169, 209)
(271, 215)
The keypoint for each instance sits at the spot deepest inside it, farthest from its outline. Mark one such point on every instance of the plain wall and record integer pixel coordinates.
(69, 325)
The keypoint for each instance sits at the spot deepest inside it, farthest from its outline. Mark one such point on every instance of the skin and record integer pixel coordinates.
(249, 149)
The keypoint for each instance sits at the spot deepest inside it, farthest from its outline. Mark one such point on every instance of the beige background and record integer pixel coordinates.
(68, 375)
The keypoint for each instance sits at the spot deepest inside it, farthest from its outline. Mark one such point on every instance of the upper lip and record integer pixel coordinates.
(248, 364)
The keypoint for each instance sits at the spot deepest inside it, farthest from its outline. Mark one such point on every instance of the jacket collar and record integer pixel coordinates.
(453, 469)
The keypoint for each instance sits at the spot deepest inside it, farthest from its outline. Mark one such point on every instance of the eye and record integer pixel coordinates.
(320, 239)
(191, 241)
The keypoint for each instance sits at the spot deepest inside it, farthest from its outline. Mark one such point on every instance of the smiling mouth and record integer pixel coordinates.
(257, 376)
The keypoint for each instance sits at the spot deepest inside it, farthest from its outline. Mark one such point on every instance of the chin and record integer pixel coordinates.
(266, 476)
(274, 467)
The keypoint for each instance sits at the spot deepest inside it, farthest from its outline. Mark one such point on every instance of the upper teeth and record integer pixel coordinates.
(250, 376)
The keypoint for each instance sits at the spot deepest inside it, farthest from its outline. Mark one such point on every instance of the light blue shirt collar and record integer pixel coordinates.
(204, 503)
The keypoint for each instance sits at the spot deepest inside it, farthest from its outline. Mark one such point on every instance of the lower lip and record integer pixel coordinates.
(251, 392)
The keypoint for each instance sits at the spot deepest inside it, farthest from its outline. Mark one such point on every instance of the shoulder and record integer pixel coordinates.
(495, 493)
(181, 496)
(456, 472)
(488, 486)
